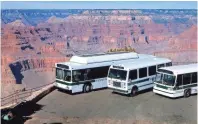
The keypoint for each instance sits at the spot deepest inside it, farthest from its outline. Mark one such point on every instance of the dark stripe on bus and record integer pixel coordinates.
(71, 84)
(161, 86)
(145, 85)
(176, 88)
(188, 86)
(147, 79)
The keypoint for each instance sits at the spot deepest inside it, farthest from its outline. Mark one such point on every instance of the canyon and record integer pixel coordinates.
(32, 41)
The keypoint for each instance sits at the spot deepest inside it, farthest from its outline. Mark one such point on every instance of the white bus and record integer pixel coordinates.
(88, 72)
(133, 76)
(176, 81)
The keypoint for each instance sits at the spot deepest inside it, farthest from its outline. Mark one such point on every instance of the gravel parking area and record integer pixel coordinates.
(103, 106)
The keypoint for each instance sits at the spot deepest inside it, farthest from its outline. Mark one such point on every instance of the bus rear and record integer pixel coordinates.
(117, 79)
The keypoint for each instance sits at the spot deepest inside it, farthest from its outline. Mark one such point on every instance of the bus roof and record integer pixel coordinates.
(97, 58)
(182, 69)
(74, 65)
(140, 63)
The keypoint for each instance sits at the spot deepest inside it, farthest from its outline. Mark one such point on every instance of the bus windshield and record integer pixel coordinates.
(165, 79)
(59, 73)
(117, 74)
(63, 74)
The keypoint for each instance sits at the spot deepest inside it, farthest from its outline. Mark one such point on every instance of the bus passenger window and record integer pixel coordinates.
(86, 73)
(194, 77)
(186, 79)
(142, 72)
(67, 75)
(179, 80)
(159, 66)
(152, 70)
(169, 64)
(76, 76)
(133, 74)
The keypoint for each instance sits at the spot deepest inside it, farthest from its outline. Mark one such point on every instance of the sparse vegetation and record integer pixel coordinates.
(125, 49)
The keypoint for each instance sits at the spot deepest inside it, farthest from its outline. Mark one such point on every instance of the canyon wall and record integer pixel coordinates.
(40, 38)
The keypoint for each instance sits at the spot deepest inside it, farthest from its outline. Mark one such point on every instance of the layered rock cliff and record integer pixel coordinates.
(40, 38)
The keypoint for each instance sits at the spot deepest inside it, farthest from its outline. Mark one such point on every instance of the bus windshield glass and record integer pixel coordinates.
(165, 79)
(117, 74)
(158, 77)
(63, 74)
(59, 73)
(168, 80)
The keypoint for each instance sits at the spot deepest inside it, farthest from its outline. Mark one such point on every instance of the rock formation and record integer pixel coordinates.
(40, 38)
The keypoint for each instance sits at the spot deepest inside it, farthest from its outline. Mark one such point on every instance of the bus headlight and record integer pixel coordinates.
(124, 84)
(109, 82)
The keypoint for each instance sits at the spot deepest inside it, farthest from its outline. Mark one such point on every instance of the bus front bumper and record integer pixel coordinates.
(62, 86)
(122, 91)
(168, 93)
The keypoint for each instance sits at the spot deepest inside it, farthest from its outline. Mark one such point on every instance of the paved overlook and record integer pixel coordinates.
(104, 107)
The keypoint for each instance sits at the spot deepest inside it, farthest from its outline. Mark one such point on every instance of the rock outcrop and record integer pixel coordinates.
(40, 39)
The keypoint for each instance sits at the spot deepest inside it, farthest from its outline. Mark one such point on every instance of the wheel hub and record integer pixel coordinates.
(87, 88)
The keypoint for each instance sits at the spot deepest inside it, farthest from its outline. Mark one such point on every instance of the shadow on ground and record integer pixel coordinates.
(52, 123)
(20, 113)
(139, 93)
(78, 93)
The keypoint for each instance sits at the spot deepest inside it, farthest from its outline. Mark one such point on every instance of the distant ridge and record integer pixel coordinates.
(17, 23)
(55, 19)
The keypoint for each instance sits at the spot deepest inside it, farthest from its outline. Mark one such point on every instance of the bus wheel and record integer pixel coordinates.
(186, 93)
(87, 88)
(134, 91)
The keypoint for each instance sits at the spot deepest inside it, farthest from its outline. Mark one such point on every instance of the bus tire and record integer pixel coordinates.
(87, 88)
(134, 91)
(187, 93)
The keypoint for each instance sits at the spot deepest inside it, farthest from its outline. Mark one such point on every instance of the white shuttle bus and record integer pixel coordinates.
(88, 72)
(176, 81)
(133, 76)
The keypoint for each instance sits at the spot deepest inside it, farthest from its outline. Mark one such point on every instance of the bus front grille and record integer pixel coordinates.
(116, 84)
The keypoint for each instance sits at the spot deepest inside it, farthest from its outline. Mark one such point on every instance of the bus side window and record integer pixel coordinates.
(99, 72)
(77, 76)
(179, 80)
(152, 70)
(67, 75)
(159, 66)
(169, 64)
(194, 77)
(186, 79)
(133, 74)
(104, 71)
(142, 72)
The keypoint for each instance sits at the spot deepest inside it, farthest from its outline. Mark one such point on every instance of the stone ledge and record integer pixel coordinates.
(35, 97)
